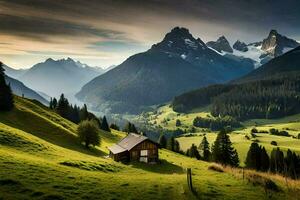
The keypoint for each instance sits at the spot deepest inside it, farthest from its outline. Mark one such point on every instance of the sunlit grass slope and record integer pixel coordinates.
(40, 158)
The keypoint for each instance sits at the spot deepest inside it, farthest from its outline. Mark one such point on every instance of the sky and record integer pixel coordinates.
(106, 32)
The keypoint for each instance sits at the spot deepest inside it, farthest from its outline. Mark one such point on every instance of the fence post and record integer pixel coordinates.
(189, 178)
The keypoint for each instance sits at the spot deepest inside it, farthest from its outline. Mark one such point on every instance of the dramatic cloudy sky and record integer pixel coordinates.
(105, 32)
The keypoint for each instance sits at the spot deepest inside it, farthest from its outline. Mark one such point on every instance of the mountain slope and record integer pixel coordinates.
(177, 64)
(61, 76)
(18, 88)
(271, 91)
(14, 73)
(285, 64)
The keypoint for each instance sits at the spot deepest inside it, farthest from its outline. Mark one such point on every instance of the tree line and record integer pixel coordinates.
(6, 96)
(286, 164)
(216, 124)
(270, 98)
(75, 113)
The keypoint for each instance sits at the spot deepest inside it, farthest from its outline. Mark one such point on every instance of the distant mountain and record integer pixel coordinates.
(14, 73)
(260, 52)
(177, 64)
(220, 45)
(20, 89)
(240, 46)
(54, 77)
(270, 91)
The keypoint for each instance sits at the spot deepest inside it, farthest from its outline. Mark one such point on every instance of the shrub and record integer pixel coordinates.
(274, 143)
(216, 167)
(88, 133)
(254, 130)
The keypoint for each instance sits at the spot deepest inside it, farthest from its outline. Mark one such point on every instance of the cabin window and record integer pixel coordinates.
(144, 152)
(144, 159)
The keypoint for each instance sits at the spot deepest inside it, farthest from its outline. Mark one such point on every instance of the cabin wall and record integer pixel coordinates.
(146, 151)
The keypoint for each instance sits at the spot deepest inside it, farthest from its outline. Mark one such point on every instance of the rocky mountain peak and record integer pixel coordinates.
(179, 41)
(240, 46)
(220, 45)
(276, 44)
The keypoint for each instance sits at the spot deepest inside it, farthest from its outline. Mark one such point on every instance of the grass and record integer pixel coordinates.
(40, 158)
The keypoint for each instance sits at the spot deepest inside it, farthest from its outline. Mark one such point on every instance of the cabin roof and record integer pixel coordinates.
(127, 143)
(115, 149)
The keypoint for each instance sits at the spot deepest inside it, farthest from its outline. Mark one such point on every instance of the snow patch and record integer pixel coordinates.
(183, 56)
(220, 53)
(286, 49)
(190, 43)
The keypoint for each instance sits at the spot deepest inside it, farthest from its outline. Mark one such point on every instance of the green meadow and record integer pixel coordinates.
(41, 158)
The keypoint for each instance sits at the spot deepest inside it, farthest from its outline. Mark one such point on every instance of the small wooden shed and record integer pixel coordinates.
(135, 147)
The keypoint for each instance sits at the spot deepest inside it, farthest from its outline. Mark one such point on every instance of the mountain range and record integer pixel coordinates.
(54, 77)
(175, 65)
(260, 52)
(18, 88)
(271, 91)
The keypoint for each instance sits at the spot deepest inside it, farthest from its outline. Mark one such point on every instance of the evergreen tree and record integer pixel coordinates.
(130, 128)
(6, 96)
(84, 114)
(63, 107)
(277, 161)
(265, 160)
(170, 143)
(204, 149)
(54, 103)
(176, 146)
(223, 152)
(290, 163)
(51, 103)
(253, 159)
(114, 126)
(194, 153)
(162, 141)
(104, 125)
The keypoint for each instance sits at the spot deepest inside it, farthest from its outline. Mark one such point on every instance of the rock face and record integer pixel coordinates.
(177, 64)
(276, 44)
(220, 45)
(240, 46)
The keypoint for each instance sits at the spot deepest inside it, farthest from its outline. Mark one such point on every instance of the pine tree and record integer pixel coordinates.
(265, 160)
(178, 122)
(130, 128)
(104, 125)
(63, 107)
(51, 103)
(6, 96)
(162, 141)
(170, 143)
(277, 161)
(114, 126)
(176, 146)
(204, 149)
(253, 159)
(223, 152)
(83, 114)
(194, 153)
(54, 103)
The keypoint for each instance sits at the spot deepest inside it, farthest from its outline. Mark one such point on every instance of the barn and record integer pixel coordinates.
(135, 147)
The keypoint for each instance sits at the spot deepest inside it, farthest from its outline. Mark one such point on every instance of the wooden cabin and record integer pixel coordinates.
(135, 147)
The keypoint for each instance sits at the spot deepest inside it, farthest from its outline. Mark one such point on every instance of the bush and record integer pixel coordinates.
(216, 167)
(88, 133)
(254, 130)
(274, 143)
(274, 131)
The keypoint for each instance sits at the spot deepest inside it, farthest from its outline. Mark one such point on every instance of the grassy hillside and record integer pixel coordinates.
(40, 158)
(166, 118)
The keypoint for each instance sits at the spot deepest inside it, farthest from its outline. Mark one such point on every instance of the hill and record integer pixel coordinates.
(271, 91)
(175, 65)
(18, 88)
(40, 159)
(54, 77)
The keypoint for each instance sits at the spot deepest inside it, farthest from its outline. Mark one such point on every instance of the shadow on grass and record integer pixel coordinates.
(163, 167)
(46, 130)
